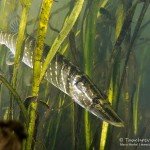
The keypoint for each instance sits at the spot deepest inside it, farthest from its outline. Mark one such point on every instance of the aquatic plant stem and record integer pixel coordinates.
(69, 23)
(113, 87)
(135, 33)
(135, 106)
(105, 126)
(124, 30)
(6, 9)
(89, 30)
(137, 92)
(19, 50)
(61, 102)
(17, 97)
(20, 40)
(37, 56)
(44, 18)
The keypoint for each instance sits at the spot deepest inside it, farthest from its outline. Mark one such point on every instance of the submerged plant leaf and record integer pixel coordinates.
(136, 106)
(120, 14)
(17, 97)
(89, 45)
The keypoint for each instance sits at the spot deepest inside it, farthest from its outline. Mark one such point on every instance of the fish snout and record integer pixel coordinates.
(103, 110)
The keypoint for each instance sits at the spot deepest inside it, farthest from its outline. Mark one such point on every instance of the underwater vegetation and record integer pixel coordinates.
(74, 71)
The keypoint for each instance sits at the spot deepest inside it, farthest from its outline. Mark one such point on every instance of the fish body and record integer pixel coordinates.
(69, 79)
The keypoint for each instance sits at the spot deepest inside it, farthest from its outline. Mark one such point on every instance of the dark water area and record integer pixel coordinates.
(109, 41)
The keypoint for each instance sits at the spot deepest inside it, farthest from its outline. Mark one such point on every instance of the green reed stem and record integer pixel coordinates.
(123, 32)
(69, 23)
(43, 25)
(20, 39)
(19, 50)
(89, 44)
(42, 29)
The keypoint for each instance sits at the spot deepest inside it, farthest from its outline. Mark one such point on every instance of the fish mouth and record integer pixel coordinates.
(106, 113)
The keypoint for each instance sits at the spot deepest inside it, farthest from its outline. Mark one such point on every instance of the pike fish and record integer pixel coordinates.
(69, 79)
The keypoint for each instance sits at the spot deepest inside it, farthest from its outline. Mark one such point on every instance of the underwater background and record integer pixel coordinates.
(109, 40)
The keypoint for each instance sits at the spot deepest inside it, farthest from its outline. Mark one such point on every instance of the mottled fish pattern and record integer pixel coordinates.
(69, 79)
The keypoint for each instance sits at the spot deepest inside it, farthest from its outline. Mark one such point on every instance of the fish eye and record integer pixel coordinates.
(96, 100)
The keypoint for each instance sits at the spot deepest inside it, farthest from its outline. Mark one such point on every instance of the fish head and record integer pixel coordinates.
(87, 95)
(103, 110)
